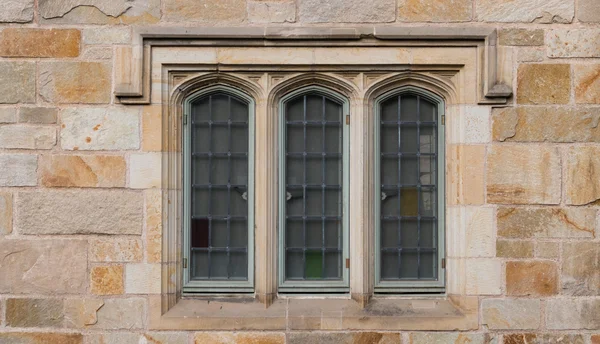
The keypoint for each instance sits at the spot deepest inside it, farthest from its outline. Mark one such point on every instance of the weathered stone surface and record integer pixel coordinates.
(447, 338)
(587, 83)
(165, 337)
(58, 8)
(588, 11)
(8, 115)
(484, 276)
(544, 84)
(90, 212)
(573, 43)
(92, 52)
(121, 314)
(581, 268)
(469, 124)
(110, 35)
(153, 226)
(43, 266)
(526, 11)
(135, 338)
(74, 12)
(514, 249)
(523, 175)
(343, 11)
(271, 11)
(145, 170)
(520, 37)
(511, 314)
(18, 82)
(83, 170)
(239, 337)
(40, 115)
(476, 226)
(152, 128)
(17, 11)
(75, 82)
(582, 182)
(527, 54)
(546, 222)
(466, 171)
(547, 249)
(548, 338)
(80, 312)
(20, 42)
(18, 170)
(41, 337)
(435, 10)
(531, 278)
(34, 312)
(115, 250)
(596, 339)
(546, 124)
(226, 11)
(27, 137)
(573, 314)
(6, 213)
(142, 278)
(115, 128)
(107, 280)
(340, 338)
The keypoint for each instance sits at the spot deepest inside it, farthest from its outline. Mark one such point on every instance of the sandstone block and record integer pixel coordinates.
(531, 278)
(135, 338)
(523, 175)
(152, 128)
(546, 338)
(240, 337)
(573, 314)
(545, 249)
(40, 115)
(115, 250)
(520, 37)
(447, 338)
(17, 11)
(434, 11)
(596, 339)
(484, 276)
(344, 11)
(100, 128)
(466, 171)
(573, 43)
(588, 11)
(90, 212)
(587, 83)
(166, 337)
(121, 314)
(40, 337)
(546, 222)
(226, 11)
(511, 314)
(27, 137)
(80, 312)
(153, 226)
(526, 11)
(526, 54)
(18, 170)
(543, 84)
(272, 11)
(111, 35)
(8, 115)
(514, 249)
(83, 170)
(6, 213)
(43, 266)
(470, 124)
(112, 12)
(477, 226)
(142, 278)
(57, 43)
(18, 82)
(582, 182)
(34, 312)
(107, 280)
(581, 268)
(93, 52)
(75, 82)
(145, 170)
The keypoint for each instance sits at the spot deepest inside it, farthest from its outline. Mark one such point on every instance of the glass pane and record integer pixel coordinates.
(389, 265)
(294, 265)
(389, 110)
(427, 142)
(333, 138)
(295, 109)
(239, 111)
(314, 108)
(239, 234)
(295, 139)
(199, 264)
(408, 139)
(409, 205)
(201, 168)
(389, 170)
(220, 107)
(219, 203)
(219, 264)
(238, 262)
(333, 265)
(409, 265)
(314, 234)
(200, 111)
(314, 139)
(201, 139)
(295, 171)
(239, 139)
(408, 108)
(333, 232)
(389, 138)
(200, 202)
(218, 233)
(199, 235)
(389, 233)
(314, 264)
(409, 233)
(333, 110)
(219, 139)
(314, 171)
(219, 171)
(428, 111)
(427, 167)
(427, 265)
(410, 170)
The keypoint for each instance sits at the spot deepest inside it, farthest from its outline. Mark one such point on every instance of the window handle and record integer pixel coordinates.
(244, 194)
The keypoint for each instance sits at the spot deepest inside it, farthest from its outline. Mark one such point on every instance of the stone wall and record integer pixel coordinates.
(80, 212)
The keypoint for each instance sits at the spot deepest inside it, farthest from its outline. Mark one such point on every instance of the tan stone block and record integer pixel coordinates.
(6, 213)
(108, 35)
(596, 339)
(40, 337)
(112, 12)
(107, 280)
(75, 82)
(435, 11)
(483, 276)
(544, 84)
(531, 278)
(548, 338)
(546, 249)
(572, 314)
(34, 312)
(18, 11)
(475, 227)
(115, 250)
(145, 170)
(588, 11)
(57, 43)
(523, 175)
(40, 115)
(271, 11)
(447, 337)
(18, 82)
(18, 170)
(8, 115)
(587, 83)
(511, 314)
(121, 314)
(573, 43)
(19, 136)
(206, 11)
(382, 55)
(546, 222)
(142, 278)
(166, 337)
(81, 312)
(152, 128)
(343, 338)
(239, 337)
(347, 11)
(469, 124)
(526, 11)
(110, 212)
(521, 37)
(466, 171)
(43, 266)
(82, 170)
(582, 182)
(531, 55)
(581, 268)
(514, 249)
(153, 226)
(97, 53)
(265, 55)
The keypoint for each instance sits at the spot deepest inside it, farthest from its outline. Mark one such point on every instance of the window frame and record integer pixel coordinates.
(223, 286)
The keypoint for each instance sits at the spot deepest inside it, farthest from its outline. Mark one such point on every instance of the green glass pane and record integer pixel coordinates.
(314, 264)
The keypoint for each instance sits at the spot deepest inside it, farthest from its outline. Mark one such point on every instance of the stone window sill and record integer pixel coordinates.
(315, 314)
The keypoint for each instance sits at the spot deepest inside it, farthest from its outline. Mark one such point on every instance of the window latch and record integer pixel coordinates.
(185, 263)
(347, 263)
(347, 119)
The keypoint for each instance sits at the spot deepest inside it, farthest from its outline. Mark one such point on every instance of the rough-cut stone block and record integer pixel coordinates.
(596, 339)
(531, 278)
(6, 213)
(142, 278)
(165, 337)
(347, 11)
(43, 266)
(531, 55)
(82, 170)
(92, 52)
(110, 35)
(476, 224)
(34, 312)
(121, 314)
(484, 276)
(115, 250)
(511, 314)
(466, 171)
(153, 226)
(111, 12)
(587, 83)
(520, 37)
(271, 11)
(75, 82)
(89, 212)
(18, 170)
(27, 137)
(58, 8)
(107, 280)
(81, 312)
(40, 115)
(434, 10)
(546, 338)
(523, 175)
(546, 222)
(18, 82)
(135, 338)
(225, 11)
(573, 314)
(8, 115)
(40, 337)
(544, 84)
(57, 43)
(240, 337)
(573, 43)
(514, 249)
(547, 249)
(17, 11)
(145, 170)
(447, 338)
(582, 182)
(470, 124)
(152, 128)
(526, 11)
(115, 128)
(581, 268)
(588, 11)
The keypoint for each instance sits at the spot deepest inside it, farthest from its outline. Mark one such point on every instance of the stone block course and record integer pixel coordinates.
(239, 337)
(108, 36)
(8, 115)
(531, 278)
(588, 11)
(535, 338)
(17, 11)
(514, 249)
(107, 280)
(6, 213)
(82, 170)
(39, 115)
(543, 84)
(152, 128)
(582, 183)
(573, 314)
(99, 11)
(435, 10)
(525, 11)
(205, 11)
(587, 83)
(484, 276)
(521, 37)
(445, 337)
(271, 11)
(145, 170)
(524, 222)
(72, 82)
(142, 278)
(581, 268)
(122, 249)
(563, 43)
(344, 11)
(547, 249)
(19, 136)
(18, 169)
(41, 337)
(121, 314)
(56, 43)
(511, 314)
(34, 312)
(18, 82)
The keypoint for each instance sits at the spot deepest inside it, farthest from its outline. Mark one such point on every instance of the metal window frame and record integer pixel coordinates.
(411, 286)
(224, 286)
(289, 286)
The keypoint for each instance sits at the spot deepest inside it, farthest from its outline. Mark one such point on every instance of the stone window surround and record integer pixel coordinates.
(461, 76)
